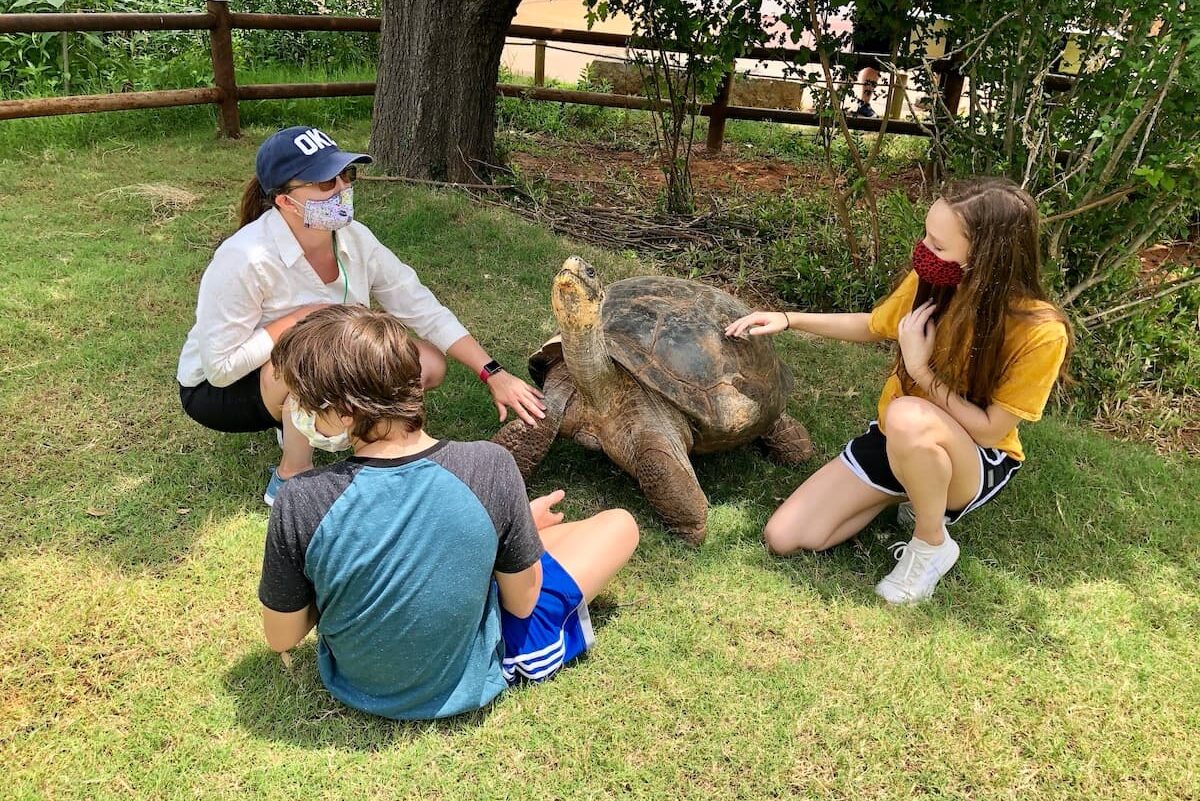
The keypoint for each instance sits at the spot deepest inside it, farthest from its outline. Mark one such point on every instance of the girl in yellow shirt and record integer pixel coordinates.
(979, 349)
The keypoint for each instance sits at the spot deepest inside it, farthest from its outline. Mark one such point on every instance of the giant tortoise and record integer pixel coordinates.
(644, 372)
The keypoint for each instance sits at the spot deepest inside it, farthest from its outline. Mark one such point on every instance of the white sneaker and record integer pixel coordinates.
(919, 568)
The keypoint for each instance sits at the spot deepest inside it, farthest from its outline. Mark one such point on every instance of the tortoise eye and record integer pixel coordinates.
(591, 272)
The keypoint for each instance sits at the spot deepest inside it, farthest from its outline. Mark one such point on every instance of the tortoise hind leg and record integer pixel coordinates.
(787, 442)
(665, 474)
(530, 444)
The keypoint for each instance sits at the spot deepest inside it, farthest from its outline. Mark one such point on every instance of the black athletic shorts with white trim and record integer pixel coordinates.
(866, 456)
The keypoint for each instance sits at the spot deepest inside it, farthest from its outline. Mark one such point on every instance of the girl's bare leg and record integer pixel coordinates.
(830, 507)
(935, 460)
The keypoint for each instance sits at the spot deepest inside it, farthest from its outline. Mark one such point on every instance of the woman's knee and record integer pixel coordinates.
(272, 390)
(911, 421)
(433, 365)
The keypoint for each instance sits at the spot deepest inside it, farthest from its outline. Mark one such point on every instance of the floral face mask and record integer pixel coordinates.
(331, 213)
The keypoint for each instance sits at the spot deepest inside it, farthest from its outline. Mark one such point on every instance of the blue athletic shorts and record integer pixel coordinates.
(557, 631)
(866, 456)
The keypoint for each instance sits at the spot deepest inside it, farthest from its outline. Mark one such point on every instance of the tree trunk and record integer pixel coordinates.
(435, 96)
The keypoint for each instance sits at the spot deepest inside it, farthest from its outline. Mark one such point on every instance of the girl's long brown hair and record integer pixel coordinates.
(1003, 273)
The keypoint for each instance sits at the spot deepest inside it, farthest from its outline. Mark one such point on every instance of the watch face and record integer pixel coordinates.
(492, 367)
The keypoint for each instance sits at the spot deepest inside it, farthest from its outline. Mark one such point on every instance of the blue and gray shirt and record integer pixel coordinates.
(397, 555)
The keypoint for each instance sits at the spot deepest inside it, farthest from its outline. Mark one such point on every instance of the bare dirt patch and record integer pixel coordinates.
(619, 174)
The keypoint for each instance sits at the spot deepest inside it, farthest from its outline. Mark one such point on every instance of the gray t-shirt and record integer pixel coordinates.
(397, 555)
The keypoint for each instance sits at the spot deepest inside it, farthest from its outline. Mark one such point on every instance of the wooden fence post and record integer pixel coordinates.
(716, 117)
(221, 41)
(66, 62)
(539, 62)
(896, 109)
(952, 86)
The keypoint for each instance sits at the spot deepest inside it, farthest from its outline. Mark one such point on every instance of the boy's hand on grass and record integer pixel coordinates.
(541, 509)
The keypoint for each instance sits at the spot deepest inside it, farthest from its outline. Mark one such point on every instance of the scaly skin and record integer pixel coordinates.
(642, 433)
(576, 297)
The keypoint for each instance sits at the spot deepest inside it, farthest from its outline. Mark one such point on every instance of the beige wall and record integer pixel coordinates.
(568, 66)
(569, 14)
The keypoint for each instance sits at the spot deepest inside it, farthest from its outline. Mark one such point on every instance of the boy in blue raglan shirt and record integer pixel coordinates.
(432, 580)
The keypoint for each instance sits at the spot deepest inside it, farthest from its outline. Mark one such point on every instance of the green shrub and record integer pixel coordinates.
(114, 61)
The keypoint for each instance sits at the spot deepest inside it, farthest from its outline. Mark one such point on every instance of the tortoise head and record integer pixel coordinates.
(577, 295)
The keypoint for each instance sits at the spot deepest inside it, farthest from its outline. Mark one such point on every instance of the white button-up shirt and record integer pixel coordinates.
(260, 274)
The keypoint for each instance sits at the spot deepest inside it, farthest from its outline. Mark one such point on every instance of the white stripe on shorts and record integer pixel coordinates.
(549, 670)
(987, 493)
(509, 660)
(534, 664)
(857, 470)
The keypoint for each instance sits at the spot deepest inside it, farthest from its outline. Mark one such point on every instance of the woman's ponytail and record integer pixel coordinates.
(255, 203)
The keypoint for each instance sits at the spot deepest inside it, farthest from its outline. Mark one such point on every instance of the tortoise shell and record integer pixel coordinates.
(669, 334)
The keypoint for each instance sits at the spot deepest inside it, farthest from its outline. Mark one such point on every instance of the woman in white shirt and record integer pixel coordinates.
(298, 249)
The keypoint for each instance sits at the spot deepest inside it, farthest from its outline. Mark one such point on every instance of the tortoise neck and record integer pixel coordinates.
(587, 358)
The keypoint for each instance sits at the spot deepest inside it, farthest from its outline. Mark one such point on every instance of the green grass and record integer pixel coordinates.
(1059, 660)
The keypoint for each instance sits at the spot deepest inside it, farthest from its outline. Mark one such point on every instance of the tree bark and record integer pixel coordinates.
(435, 97)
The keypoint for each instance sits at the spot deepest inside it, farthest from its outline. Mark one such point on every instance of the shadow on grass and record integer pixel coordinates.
(1083, 511)
(292, 705)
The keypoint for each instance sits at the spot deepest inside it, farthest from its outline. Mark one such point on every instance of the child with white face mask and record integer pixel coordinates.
(433, 581)
(298, 249)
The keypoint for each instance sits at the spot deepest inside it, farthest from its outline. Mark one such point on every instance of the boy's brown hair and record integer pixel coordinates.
(358, 362)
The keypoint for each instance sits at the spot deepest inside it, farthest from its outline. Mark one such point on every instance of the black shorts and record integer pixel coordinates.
(866, 456)
(235, 409)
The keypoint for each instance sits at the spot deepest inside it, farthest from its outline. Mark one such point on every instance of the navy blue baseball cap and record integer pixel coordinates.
(301, 154)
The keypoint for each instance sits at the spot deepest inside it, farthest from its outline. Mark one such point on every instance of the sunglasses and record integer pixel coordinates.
(348, 175)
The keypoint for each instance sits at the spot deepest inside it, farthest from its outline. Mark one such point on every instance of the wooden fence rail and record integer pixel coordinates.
(219, 21)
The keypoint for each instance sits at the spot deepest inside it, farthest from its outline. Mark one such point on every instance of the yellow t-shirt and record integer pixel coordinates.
(1031, 356)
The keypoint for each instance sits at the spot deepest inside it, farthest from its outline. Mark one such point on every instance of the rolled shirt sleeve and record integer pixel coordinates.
(1030, 376)
(229, 319)
(885, 318)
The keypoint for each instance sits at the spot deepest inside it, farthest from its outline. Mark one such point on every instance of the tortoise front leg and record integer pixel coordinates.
(658, 459)
(670, 486)
(787, 442)
(530, 444)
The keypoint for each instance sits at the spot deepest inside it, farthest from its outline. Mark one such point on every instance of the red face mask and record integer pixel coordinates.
(933, 270)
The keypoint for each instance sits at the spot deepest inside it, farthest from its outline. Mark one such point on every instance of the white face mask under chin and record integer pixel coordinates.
(306, 423)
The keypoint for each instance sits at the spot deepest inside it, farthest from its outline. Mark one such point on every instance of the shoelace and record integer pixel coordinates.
(900, 550)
